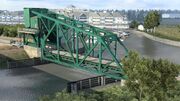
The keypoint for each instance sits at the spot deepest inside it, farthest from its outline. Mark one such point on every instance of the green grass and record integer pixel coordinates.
(168, 32)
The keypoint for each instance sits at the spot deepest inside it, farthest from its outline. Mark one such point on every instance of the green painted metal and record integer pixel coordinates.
(58, 34)
(26, 18)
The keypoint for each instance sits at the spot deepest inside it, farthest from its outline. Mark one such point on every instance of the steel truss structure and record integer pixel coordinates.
(73, 43)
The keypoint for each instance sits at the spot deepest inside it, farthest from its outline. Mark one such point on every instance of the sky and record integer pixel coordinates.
(91, 4)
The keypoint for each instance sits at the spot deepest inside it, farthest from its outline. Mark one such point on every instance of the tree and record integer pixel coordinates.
(6, 31)
(64, 96)
(152, 20)
(1, 30)
(118, 93)
(12, 32)
(134, 24)
(140, 16)
(150, 79)
(9, 30)
(178, 26)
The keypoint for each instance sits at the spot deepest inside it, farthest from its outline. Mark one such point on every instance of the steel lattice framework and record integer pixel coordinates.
(72, 43)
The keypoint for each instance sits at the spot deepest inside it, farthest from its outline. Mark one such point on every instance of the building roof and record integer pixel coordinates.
(88, 13)
(78, 14)
(105, 14)
(93, 14)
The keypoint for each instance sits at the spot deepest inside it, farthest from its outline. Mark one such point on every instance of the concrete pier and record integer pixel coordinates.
(32, 52)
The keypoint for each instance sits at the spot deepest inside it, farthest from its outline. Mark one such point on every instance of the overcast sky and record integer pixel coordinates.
(91, 4)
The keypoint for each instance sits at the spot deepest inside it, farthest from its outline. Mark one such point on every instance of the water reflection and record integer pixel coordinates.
(27, 84)
(153, 49)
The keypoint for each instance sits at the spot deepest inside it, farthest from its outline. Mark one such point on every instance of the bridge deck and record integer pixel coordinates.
(89, 58)
(27, 30)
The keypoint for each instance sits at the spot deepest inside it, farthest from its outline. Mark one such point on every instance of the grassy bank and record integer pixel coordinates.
(8, 53)
(9, 30)
(168, 32)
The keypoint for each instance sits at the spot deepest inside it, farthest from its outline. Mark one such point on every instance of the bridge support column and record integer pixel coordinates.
(122, 82)
(103, 81)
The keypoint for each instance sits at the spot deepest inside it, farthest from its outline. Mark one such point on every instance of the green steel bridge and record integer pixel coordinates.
(72, 43)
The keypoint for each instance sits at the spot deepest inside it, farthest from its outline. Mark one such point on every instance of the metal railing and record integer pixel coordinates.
(88, 83)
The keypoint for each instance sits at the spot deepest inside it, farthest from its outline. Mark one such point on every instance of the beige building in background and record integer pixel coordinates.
(102, 19)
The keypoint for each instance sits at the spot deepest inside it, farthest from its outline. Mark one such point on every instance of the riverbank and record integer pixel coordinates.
(154, 38)
(10, 53)
(167, 32)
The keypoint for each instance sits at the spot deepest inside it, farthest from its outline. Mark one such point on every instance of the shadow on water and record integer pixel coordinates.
(28, 84)
(3, 61)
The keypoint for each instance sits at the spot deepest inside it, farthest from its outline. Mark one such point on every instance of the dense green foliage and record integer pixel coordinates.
(9, 30)
(134, 24)
(148, 80)
(151, 80)
(115, 93)
(152, 20)
(63, 96)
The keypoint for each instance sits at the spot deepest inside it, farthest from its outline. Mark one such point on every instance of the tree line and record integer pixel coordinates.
(9, 30)
(151, 21)
(148, 80)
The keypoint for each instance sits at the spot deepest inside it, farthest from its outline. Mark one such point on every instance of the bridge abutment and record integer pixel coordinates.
(32, 52)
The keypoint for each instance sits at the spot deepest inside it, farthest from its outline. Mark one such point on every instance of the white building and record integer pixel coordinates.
(141, 27)
(169, 15)
(102, 19)
(11, 18)
(108, 20)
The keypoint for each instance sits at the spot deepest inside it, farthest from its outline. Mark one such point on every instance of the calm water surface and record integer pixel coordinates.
(27, 84)
(153, 49)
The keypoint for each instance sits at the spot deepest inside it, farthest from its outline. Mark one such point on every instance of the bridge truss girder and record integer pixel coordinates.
(71, 35)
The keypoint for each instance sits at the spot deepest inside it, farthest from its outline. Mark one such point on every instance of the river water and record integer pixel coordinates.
(27, 84)
(153, 49)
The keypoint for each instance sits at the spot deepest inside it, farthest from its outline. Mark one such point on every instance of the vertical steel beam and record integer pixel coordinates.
(77, 48)
(100, 55)
(89, 41)
(115, 48)
(72, 43)
(57, 33)
(93, 45)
